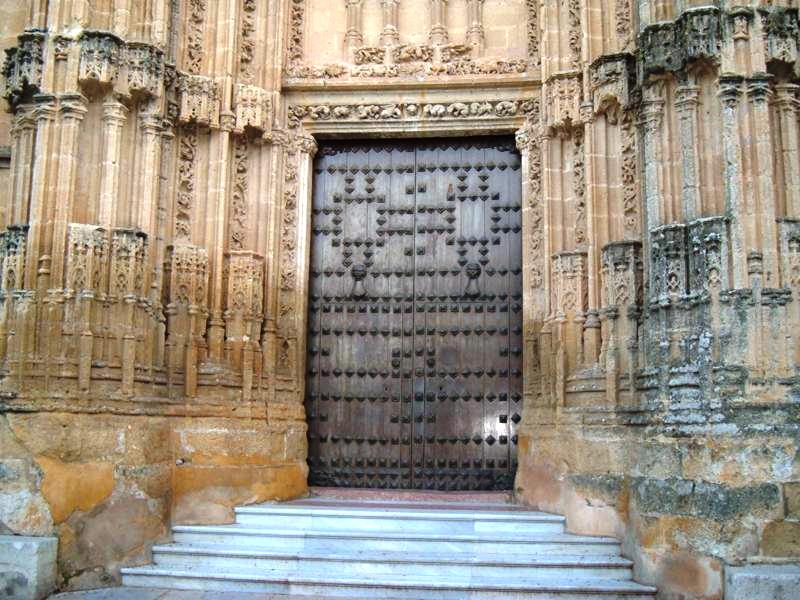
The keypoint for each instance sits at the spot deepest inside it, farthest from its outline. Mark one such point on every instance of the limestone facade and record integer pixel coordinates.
(155, 250)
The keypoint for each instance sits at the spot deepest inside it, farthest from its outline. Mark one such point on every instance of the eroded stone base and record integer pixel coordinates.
(27, 566)
(108, 486)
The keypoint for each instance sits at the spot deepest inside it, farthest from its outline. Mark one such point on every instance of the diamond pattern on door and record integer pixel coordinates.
(415, 315)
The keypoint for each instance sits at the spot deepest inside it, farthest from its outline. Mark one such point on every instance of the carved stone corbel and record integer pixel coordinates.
(199, 100)
(253, 109)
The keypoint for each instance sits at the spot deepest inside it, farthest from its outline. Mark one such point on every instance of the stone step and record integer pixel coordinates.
(440, 587)
(388, 564)
(369, 496)
(330, 517)
(423, 543)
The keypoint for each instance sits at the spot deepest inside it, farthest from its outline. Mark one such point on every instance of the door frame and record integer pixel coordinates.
(396, 114)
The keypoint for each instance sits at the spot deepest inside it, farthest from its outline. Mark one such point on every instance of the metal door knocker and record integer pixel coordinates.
(473, 272)
(359, 273)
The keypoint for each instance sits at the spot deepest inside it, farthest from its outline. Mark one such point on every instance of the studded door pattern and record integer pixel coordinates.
(415, 318)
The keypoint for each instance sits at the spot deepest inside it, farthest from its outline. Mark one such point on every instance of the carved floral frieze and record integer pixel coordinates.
(410, 111)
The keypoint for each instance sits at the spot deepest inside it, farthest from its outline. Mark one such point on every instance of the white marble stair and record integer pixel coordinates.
(392, 550)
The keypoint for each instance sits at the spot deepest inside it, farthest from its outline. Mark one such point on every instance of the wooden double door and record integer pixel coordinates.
(415, 315)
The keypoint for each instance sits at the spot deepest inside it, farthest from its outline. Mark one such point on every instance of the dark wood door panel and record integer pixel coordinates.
(415, 317)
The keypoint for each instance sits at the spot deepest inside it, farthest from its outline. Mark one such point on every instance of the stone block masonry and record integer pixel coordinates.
(27, 566)
(154, 257)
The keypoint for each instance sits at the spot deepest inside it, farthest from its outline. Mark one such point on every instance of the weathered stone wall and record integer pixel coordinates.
(667, 413)
(155, 256)
(146, 378)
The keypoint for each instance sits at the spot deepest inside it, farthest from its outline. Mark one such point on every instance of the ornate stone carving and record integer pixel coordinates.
(624, 22)
(781, 32)
(22, 69)
(421, 59)
(61, 47)
(87, 259)
(100, 57)
(629, 165)
(573, 8)
(369, 55)
(330, 71)
(695, 35)
(532, 10)
(128, 253)
(789, 232)
(613, 81)
(184, 198)
(145, 68)
(195, 31)
(295, 50)
(668, 254)
(253, 108)
(708, 260)
(239, 202)
(388, 112)
(579, 187)
(247, 42)
(563, 100)
(188, 276)
(288, 265)
(411, 53)
(569, 283)
(12, 257)
(528, 141)
(622, 273)
(199, 100)
(245, 293)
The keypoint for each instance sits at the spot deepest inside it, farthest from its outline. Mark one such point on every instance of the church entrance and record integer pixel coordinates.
(415, 315)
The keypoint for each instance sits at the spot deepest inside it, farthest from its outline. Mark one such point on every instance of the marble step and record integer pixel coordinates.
(367, 541)
(330, 517)
(388, 564)
(441, 587)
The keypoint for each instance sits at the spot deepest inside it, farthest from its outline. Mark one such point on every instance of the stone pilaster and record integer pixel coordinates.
(438, 33)
(390, 34)
(686, 104)
(475, 30)
(730, 94)
(760, 93)
(786, 102)
(187, 311)
(41, 200)
(244, 315)
(622, 289)
(114, 117)
(354, 36)
(22, 153)
(652, 114)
